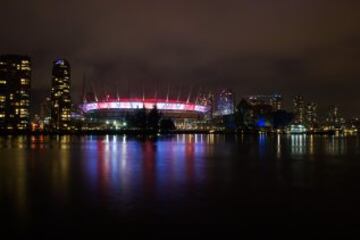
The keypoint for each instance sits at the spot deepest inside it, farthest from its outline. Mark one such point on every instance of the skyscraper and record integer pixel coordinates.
(334, 120)
(15, 79)
(275, 100)
(299, 110)
(311, 114)
(60, 95)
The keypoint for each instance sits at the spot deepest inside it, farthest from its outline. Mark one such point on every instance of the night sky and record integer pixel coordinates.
(307, 47)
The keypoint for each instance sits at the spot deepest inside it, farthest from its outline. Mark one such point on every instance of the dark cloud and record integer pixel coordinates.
(289, 46)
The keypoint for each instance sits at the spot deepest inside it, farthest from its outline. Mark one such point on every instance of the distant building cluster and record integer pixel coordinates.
(210, 111)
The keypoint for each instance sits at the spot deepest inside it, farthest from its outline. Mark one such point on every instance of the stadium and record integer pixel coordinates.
(185, 114)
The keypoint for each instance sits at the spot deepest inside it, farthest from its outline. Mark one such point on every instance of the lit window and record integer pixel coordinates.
(24, 81)
(2, 115)
(24, 68)
(23, 111)
(24, 102)
(2, 81)
(2, 98)
(24, 94)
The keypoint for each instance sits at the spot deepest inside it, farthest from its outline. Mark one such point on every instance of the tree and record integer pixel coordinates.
(153, 119)
(139, 119)
(167, 124)
(244, 115)
(281, 118)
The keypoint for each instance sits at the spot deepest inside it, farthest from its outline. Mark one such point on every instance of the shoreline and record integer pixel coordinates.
(152, 133)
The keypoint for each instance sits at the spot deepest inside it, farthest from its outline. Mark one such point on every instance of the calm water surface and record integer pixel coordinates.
(64, 183)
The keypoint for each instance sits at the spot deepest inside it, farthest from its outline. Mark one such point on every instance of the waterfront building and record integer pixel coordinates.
(15, 84)
(115, 113)
(60, 95)
(334, 120)
(276, 102)
(311, 114)
(299, 110)
(297, 129)
(355, 122)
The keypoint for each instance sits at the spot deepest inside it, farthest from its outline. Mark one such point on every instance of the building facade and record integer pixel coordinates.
(299, 110)
(116, 113)
(15, 85)
(311, 114)
(275, 101)
(60, 95)
(334, 120)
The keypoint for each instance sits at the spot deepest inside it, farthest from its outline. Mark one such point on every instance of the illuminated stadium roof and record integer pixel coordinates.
(136, 103)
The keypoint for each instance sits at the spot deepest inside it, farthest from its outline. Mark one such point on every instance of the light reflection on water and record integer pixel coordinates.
(122, 172)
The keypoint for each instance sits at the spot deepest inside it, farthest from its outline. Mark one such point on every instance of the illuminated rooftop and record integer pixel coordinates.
(137, 103)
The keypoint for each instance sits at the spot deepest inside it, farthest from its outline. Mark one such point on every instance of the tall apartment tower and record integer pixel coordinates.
(311, 114)
(276, 102)
(60, 95)
(15, 84)
(334, 119)
(299, 109)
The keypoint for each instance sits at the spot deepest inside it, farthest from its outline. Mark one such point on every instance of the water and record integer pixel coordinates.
(57, 185)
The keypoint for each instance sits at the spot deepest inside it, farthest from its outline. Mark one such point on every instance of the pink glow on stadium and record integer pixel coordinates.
(135, 103)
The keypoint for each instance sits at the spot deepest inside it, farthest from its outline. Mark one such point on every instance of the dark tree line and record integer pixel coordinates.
(248, 117)
(150, 120)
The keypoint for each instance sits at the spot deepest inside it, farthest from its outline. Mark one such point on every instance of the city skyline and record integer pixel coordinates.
(294, 48)
(184, 93)
(179, 119)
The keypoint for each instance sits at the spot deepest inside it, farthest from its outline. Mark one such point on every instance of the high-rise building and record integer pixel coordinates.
(311, 114)
(15, 83)
(60, 95)
(299, 110)
(334, 120)
(224, 103)
(275, 101)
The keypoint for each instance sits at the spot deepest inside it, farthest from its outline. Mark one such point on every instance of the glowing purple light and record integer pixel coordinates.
(59, 62)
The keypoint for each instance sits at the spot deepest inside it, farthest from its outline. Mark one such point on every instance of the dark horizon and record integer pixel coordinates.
(289, 47)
